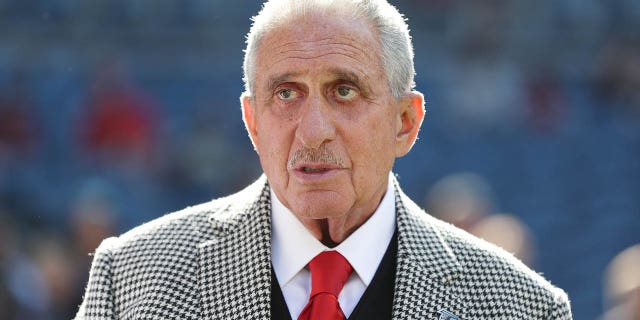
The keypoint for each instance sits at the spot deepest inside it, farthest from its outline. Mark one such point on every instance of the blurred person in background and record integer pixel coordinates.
(19, 131)
(546, 103)
(329, 105)
(479, 34)
(462, 199)
(509, 233)
(466, 200)
(119, 130)
(121, 126)
(622, 286)
(42, 274)
(8, 303)
(23, 289)
(93, 217)
(58, 271)
(617, 77)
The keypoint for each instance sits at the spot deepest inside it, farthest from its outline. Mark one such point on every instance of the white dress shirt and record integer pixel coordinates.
(293, 246)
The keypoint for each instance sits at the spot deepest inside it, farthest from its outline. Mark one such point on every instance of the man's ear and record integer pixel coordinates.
(249, 117)
(410, 115)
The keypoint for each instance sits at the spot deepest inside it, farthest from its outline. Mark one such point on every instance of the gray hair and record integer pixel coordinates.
(392, 29)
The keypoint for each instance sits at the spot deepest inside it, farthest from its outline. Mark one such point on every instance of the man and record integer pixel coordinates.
(326, 233)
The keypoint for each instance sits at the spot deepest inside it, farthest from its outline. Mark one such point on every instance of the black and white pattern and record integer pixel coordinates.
(213, 261)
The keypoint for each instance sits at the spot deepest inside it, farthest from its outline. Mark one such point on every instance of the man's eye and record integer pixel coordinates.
(287, 94)
(345, 93)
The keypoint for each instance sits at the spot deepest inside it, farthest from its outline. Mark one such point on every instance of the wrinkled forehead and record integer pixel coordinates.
(307, 39)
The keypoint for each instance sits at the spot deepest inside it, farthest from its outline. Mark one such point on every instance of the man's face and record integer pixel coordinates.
(323, 120)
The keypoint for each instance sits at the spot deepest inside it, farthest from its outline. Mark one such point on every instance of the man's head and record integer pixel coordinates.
(396, 50)
(327, 107)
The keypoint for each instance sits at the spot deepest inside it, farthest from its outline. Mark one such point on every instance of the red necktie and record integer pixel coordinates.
(329, 272)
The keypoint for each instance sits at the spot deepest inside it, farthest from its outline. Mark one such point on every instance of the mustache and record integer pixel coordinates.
(320, 155)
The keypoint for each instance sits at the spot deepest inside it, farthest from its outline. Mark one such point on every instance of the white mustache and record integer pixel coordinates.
(320, 155)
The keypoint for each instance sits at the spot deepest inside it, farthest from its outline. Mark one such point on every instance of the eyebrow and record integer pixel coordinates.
(346, 76)
(278, 79)
(349, 76)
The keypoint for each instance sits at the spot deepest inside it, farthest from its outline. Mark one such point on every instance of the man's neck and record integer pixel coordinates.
(332, 231)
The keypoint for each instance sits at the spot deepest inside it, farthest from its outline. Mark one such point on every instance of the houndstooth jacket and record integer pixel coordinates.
(213, 261)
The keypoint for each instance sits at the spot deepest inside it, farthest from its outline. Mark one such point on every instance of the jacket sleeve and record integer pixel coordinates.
(98, 302)
(561, 308)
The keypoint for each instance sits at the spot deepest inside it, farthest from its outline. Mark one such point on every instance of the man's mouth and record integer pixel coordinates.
(314, 170)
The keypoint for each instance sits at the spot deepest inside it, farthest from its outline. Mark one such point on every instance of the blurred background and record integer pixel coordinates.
(114, 112)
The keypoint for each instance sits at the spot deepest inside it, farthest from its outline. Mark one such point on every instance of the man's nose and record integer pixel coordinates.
(316, 126)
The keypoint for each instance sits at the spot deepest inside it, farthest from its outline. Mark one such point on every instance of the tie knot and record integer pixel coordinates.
(329, 272)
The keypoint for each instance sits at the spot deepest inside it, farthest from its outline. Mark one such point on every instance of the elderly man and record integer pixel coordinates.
(326, 233)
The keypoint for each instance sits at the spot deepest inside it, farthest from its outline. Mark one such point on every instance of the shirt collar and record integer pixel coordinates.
(293, 246)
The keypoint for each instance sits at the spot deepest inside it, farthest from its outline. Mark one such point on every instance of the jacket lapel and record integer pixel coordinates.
(427, 268)
(235, 264)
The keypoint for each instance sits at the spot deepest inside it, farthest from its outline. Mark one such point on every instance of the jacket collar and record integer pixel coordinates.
(427, 268)
(235, 263)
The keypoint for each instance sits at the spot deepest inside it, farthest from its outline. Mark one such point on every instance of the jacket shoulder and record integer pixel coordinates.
(491, 282)
(494, 279)
(156, 263)
(193, 224)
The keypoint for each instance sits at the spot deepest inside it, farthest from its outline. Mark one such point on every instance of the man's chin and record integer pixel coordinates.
(317, 207)
(318, 213)
(321, 215)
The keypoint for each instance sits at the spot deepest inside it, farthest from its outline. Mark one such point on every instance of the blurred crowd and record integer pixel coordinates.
(115, 112)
